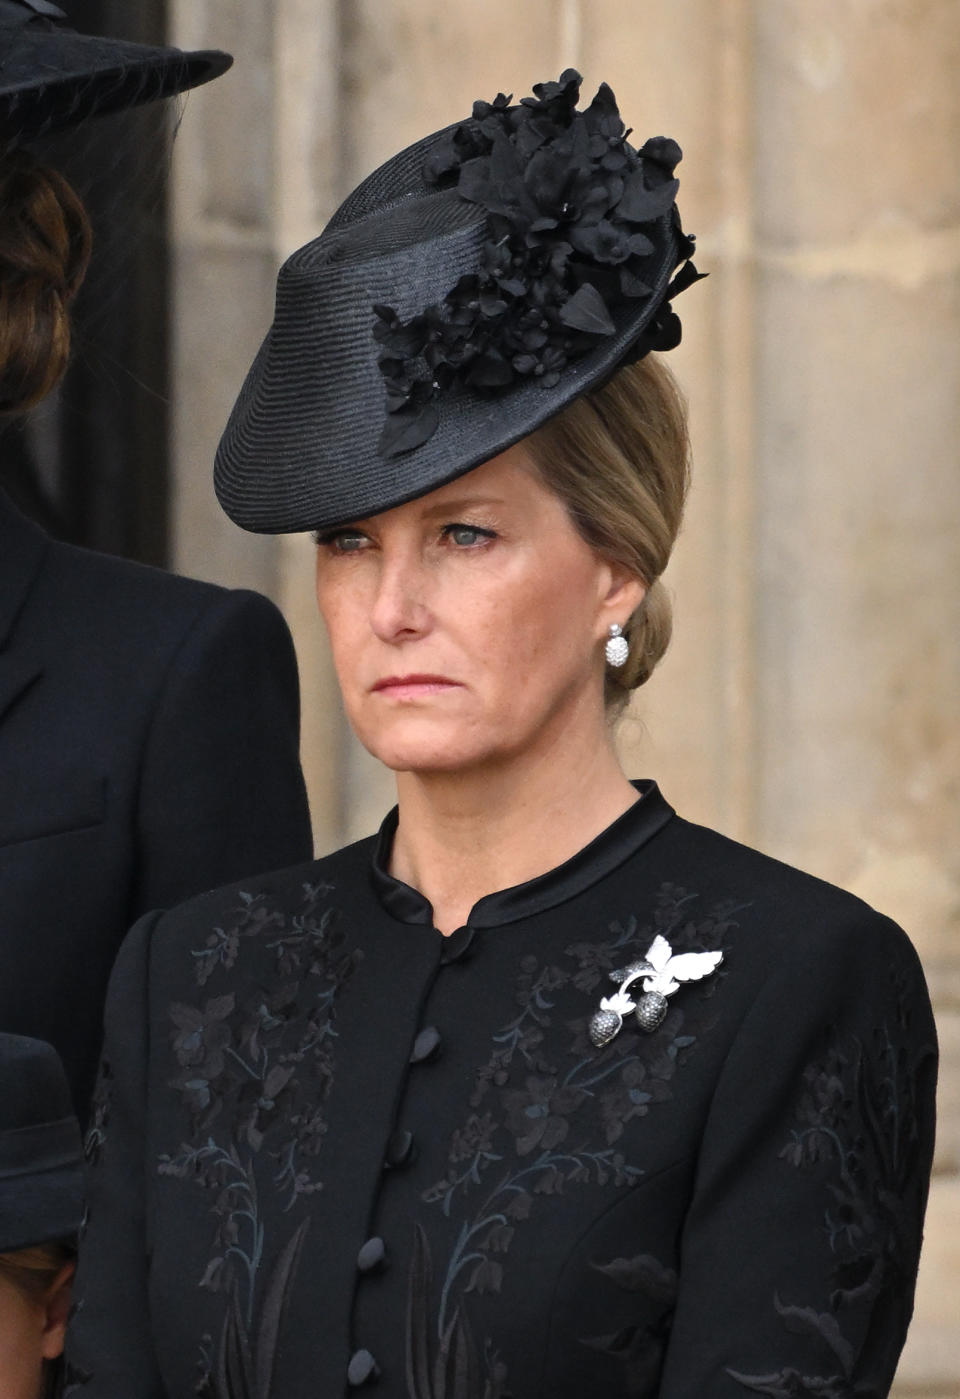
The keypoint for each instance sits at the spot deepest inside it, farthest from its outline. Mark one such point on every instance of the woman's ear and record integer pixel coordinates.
(56, 1305)
(624, 592)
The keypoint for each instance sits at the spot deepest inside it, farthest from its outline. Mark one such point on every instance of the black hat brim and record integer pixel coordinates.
(41, 1152)
(41, 1208)
(51, 80)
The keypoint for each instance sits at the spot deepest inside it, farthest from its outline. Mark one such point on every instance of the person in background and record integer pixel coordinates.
(544, 1091)
(41, 1206)
(149, 724)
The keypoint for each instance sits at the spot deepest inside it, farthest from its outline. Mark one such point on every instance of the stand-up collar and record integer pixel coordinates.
(22, 548)
(638, 824)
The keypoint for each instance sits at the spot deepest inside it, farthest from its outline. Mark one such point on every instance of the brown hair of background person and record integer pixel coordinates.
(45, 244)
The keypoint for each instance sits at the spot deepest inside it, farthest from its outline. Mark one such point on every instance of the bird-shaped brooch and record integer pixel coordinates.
(661, 974)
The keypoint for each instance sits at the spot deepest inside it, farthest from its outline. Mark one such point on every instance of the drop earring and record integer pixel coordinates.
(617, 648)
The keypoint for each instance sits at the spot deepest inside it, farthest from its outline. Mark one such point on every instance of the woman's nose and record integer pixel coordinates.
(399, 611)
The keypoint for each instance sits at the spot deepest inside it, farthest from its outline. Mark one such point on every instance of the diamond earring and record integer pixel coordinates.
(617, 648)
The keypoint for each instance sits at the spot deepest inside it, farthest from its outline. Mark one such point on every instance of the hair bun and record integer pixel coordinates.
(44, 251)
(648, 635)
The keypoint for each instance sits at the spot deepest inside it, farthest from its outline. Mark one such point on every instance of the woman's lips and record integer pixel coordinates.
(411, 686)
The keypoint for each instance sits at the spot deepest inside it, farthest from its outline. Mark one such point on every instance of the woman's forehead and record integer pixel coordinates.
(508, 480)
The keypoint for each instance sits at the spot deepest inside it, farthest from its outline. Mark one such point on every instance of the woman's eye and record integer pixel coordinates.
(344, 541)
(468, 536)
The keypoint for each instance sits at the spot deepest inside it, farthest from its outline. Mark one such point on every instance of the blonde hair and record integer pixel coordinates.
(619, 459)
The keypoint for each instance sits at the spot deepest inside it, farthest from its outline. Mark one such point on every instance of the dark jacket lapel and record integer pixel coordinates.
(23, 547)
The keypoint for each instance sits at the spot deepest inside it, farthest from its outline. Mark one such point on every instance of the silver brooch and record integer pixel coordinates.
(662, 973)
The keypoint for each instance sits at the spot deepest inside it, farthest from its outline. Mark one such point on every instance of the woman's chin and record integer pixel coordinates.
(427, 749)
(414, 758)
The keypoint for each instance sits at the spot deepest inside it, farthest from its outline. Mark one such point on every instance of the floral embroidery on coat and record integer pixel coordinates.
(536, 1135)
(640, 1349)
(95, 1137)
(255, 1072)
(456, 1367)
(858, 1115)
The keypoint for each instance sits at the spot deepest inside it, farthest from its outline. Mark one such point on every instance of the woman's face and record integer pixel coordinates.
(466, 626)
(21, 1364)
(31, 1331)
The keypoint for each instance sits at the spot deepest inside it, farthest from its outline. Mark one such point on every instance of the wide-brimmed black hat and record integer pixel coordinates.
(52, 77)
(463, 294)
(41, 1153)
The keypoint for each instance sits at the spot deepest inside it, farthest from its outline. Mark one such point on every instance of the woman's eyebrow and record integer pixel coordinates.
(456, 504)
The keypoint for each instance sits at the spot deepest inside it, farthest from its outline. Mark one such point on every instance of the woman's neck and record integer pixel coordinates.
(464, 835)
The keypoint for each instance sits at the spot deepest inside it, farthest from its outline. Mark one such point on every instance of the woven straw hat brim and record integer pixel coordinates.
(300, 449)
(54, 79)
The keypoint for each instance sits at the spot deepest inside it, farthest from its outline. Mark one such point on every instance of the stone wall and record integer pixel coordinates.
(810, 702)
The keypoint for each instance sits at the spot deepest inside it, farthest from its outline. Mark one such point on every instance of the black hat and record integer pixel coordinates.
(463, 294)
(51, 76)
(41, 1153)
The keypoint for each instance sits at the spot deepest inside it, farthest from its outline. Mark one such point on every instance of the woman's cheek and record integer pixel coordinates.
(21, 1368)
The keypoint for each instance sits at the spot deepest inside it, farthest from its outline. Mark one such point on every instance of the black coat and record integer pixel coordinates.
(356, 1153)
(148, 751)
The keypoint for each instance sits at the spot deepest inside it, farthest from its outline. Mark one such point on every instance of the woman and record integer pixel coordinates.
(148, 724)
(41, 1189)
(543, 1091)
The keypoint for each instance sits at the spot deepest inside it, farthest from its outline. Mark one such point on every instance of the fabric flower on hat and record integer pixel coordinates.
(566, 199)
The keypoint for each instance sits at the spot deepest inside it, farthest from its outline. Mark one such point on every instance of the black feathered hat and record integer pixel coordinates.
(463, 294)
(52, 77)
(41, 1155)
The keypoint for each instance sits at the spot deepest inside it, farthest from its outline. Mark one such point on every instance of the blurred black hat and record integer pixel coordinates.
(41, 1152)
(463, 294)
(52, 77)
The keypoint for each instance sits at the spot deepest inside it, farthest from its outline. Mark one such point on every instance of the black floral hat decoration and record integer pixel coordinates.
(53, 77)
(41, 1153)
(463, 294)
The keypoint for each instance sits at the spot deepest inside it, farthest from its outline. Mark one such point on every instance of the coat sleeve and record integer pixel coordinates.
(800, 1247)
(221, 791)
(109, 1353)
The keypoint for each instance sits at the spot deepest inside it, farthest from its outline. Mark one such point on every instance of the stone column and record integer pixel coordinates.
(257, 172)
(692, 78)
(224, 262)
(857, 196)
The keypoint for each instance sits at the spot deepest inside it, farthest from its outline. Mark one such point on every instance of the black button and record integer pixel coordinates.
(457, 945)
(362, 1369)
(372, 1255)
(400, 1149)
(426, 1045)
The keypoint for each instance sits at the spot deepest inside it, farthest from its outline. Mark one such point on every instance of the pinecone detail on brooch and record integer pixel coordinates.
(604, 1026)
(651, 1010)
